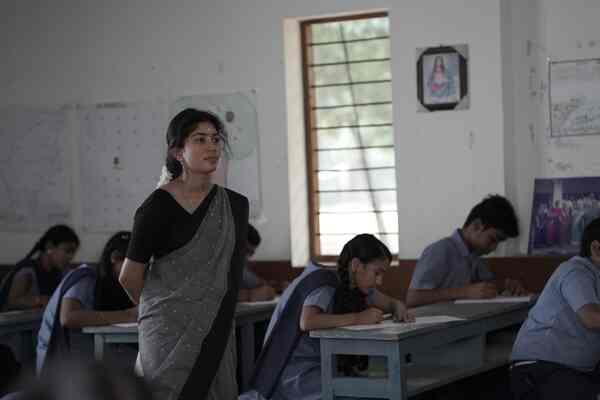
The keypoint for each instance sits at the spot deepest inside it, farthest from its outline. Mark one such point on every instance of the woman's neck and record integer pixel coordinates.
(44, 262)
(195, 183)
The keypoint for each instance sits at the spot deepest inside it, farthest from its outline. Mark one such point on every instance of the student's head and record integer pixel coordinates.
(57, 245)
(195, 141)
(109, 294)
(113, 254)
(590, 241)
(489, 223)
(362, 262)
(77, 380)
(253, 241)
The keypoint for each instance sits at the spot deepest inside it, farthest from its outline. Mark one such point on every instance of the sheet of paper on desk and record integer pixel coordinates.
(126, 324)
(274, 301)
(498, 299)
(434, 319)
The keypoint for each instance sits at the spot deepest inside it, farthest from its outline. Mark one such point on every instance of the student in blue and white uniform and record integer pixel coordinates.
(452, 268)
(87, 296)
(33, 280)
(252, 287)
(289, 366)
(557, 350)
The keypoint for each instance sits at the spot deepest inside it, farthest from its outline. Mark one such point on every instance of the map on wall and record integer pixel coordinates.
(121, 150)
(35, 168)
(238, 171)
(575, 97)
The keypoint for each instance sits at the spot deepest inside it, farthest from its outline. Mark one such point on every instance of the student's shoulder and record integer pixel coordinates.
(441, 247)
(575, 267)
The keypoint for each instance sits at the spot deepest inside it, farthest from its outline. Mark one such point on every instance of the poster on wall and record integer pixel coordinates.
(574, 97)
(442, 80)
(562, 208)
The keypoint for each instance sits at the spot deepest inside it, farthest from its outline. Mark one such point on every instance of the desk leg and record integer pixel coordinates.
(396, 374)
(27, 345)
(246, 354)
(328, 369)
(98, 346)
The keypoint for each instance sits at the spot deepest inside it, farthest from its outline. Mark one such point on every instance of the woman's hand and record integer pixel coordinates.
(401, 313)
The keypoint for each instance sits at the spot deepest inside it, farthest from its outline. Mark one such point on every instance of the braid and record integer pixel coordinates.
(350, 299)
(39, 246)
(56, 234)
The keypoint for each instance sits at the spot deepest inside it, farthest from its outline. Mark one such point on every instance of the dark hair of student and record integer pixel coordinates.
(253, 236)
(180, 128)
(110, 295)
(496, 212)
(79, 380)
(10, 369)
(590, 233)
(350, 299)
(55, 235)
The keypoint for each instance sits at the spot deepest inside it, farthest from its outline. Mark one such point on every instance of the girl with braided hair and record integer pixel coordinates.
(289, 366)
(33, 280)
(87, 296)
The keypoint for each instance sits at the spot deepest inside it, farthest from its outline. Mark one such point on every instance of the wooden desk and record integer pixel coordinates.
(246, 315)
(26, 323)
(423, 357)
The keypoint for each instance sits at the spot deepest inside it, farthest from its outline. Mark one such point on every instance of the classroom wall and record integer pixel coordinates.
(86, 52)
(572, 32)
(523, 68)
(446, 160)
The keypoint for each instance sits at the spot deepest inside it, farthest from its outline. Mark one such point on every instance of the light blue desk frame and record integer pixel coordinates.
(246, 315)
(459, 346)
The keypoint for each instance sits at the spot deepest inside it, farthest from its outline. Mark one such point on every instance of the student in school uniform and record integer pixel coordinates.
(289, 365)
(87, 296)
(33, 280)
(452, 268)
(252, 287)
(557, 350)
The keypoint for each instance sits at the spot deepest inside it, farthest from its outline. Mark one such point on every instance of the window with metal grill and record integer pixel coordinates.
(349, 131)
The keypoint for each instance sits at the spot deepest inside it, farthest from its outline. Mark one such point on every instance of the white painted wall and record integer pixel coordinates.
(447, 160)
(572, 32)
(524, 68)
(69, 52)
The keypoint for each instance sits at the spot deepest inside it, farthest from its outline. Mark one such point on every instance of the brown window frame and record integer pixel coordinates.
(310, 131)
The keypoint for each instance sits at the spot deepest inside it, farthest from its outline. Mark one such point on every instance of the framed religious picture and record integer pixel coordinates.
(562, 208)
(442, 80)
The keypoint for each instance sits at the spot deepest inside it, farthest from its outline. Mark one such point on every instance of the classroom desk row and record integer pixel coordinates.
(417, 357)
(422, 357)
(246, 315)
(27, 323)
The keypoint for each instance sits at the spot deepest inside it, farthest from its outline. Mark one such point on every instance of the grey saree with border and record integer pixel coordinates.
(186, 340)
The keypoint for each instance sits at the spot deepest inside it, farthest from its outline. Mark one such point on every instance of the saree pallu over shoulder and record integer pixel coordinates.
(180, 302)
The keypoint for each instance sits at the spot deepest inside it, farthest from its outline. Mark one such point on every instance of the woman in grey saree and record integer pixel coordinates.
(183, 266)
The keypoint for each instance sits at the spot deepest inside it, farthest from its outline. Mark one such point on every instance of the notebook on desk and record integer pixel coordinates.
(434, 319)
(497, 299)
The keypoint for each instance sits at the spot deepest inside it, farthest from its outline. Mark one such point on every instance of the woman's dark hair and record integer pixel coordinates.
(590, 233)
(55, 235)
(253, 236)
(348, 299)
(496, 212)
(109, 293)
(180, 128)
